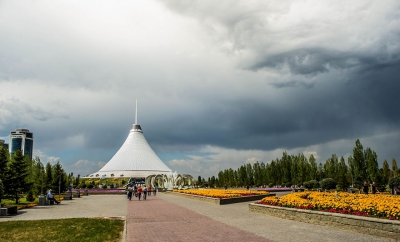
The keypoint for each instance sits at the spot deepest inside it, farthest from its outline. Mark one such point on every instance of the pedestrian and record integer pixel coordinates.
(130, 191)
(226, 187)
(135, 190)
(155, 190)
(373, 188)
(139, 192)
(365, 188)
(144, 193)
(149, 191)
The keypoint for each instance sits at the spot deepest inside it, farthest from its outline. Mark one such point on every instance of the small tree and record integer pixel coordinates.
(17, 176)
(29, 196)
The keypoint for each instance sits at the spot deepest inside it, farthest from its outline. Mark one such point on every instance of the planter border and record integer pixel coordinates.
(222, 201)
(368, 225)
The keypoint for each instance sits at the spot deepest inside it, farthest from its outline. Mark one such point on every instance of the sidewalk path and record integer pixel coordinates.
(159, 220)
(83, 207)
(172, 218)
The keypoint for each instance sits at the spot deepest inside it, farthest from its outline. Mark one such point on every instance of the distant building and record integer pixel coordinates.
(21, 139)
(135, 159)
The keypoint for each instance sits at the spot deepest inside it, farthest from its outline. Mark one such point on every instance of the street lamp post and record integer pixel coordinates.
(59, 186)
(42, 199)
(41, 191)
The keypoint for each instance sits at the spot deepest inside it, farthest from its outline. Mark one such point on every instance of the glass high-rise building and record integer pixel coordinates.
(21, 139)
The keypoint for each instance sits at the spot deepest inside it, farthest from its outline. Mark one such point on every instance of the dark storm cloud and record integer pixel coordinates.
(341, 73)
(364, 105)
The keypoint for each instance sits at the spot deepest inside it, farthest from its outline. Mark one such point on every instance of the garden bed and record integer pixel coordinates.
(373, 226)
(223, 201)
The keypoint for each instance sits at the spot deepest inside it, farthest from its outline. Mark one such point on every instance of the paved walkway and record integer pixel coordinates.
(84, 207)
(171, 218)
(178, 219)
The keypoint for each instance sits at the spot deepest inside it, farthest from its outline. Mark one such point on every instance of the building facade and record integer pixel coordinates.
(21, 139)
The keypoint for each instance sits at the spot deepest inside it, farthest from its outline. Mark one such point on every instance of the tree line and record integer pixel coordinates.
(299, 170)
(21, 176)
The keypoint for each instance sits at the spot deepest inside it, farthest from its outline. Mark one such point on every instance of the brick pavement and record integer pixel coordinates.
(159, 220)
(267, 227)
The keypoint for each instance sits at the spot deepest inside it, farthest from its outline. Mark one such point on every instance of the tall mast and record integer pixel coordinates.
(136, 113)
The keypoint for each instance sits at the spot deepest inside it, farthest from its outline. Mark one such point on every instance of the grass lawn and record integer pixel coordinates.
(75, 229)
(22, 201)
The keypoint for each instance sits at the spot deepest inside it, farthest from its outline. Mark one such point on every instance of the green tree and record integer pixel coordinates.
(313, 168)
(385, 172)
(3, 160)
(212, 181)
(59, 181)
(372, 164)
(328, 183)
(394, 168)
(1, 190)
(341, 176)
(360, 166)
(17, 176)
(249, 175)
(48, 178)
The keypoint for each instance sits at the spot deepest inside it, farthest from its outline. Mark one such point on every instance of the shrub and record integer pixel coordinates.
(288, 184)
(313, 184)
(328, 183)
(90, 186)
(104, 186)
(83, 185)
(271, 185)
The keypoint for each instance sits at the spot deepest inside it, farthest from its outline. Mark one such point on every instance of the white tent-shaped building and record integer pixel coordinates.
(134, 159)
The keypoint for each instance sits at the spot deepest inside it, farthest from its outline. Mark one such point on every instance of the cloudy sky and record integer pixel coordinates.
(219, 83)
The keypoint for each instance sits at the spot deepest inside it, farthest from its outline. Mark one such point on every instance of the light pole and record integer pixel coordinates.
(59, 186)
(42, 168)
(42, 199)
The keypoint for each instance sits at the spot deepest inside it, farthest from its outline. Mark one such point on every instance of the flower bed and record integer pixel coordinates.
(222, 197)
(217, 193)
(379, 206)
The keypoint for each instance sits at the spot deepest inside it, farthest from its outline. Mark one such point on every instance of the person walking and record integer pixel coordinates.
(149, 191)
(135, 190)
(130, 191)
(155, 190)
(139, 192)
(144, 193)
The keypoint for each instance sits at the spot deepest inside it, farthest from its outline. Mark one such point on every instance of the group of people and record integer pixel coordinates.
(365, 188)
(139, 192)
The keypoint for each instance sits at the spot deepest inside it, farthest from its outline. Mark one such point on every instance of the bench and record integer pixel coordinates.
(68, 196)
(77, 193)
(8, 210)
